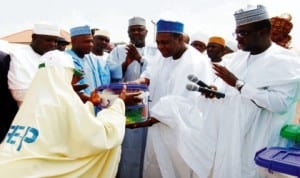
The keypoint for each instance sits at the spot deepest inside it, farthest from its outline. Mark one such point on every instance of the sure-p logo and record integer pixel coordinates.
(18, 135)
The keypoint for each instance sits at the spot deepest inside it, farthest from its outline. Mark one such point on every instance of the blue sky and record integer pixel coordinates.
(214, 17)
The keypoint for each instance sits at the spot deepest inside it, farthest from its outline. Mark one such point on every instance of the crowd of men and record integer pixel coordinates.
(52, 125)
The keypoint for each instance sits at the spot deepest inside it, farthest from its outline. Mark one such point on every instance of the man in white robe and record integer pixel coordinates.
(126, 63)
(262, 87)
(25, 60)
(55, 134)
(101, 40)
(168, 76)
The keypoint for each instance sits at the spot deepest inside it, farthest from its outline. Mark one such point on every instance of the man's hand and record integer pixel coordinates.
(149, 122)
(209, 94)
(132, 54)
(95, 98)
(225, 74)
(130, 98)
(84, 97)
(78, 87)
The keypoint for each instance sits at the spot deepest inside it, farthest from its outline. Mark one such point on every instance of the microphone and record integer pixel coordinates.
(192, 87)
(195, 79)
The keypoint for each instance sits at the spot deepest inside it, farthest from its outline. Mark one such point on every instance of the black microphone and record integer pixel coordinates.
(195, 79)
(192, 87)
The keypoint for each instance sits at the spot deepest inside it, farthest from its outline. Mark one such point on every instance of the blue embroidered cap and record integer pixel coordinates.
(169, 26)
(81, 30)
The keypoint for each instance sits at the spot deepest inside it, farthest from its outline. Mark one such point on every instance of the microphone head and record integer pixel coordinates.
(192, 87)
(192, 78)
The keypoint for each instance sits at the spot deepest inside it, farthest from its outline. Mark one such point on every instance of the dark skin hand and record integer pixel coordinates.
(78, 87)
(208, 94)
(149, 122)
(225, 75)
(132, 54)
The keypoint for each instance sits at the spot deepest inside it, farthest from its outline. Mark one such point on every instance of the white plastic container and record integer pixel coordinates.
(265, 173)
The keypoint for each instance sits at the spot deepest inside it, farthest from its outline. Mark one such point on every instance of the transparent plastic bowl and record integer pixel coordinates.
(134, 113)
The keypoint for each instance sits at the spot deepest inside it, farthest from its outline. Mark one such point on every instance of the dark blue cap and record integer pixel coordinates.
(169, 26)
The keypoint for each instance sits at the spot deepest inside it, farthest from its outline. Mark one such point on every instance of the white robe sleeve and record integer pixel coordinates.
(275, 99)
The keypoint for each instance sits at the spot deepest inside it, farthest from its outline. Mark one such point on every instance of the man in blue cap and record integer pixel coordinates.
(168, 77)
(82, 43)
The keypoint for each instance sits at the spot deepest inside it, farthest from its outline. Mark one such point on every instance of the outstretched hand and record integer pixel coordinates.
(148, 123)
(79, 87)
(130, 98)
(95, 98)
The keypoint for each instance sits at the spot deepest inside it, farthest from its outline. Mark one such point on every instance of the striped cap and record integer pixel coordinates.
(250, 14)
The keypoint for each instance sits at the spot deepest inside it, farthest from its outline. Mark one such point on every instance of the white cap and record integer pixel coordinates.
(251, 14)
(46, 29)
(57, 58)
(102, 33)
(137, 21)
(199, 36)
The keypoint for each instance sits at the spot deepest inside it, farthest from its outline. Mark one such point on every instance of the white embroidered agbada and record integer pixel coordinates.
(55, 134)
(169, 77)
(231, 130)
(23, 67)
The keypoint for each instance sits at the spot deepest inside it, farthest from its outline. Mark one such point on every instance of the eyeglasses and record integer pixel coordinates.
(242, 34)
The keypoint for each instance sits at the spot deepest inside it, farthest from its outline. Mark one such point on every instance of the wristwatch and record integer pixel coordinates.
(239, 84)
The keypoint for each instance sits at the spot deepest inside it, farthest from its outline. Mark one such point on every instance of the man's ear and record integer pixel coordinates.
(33, 36)
(181, 38)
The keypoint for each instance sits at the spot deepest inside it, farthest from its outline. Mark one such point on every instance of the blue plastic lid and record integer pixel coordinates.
(119, 86)
(283, 160)
(135, 106)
